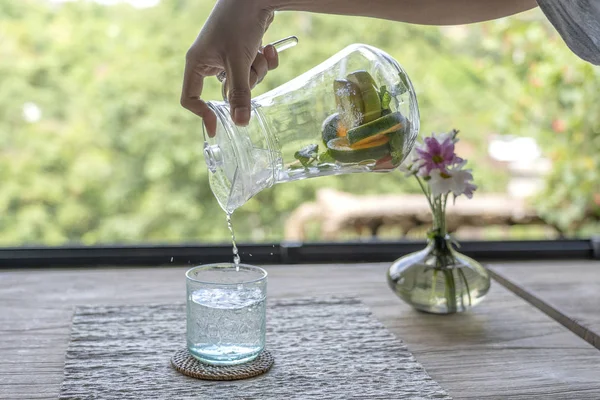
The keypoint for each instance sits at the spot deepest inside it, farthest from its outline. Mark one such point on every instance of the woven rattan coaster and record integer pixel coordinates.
(183, 362)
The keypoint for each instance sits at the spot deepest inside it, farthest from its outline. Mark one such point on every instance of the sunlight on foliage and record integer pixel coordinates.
(96, 148)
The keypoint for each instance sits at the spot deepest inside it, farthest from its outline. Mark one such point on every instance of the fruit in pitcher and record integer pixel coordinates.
(365, 128)
(332, 128)
(369, 94)
(341, 150)
(385, 163)
(373, 130)
(397, 140)
(349, 102)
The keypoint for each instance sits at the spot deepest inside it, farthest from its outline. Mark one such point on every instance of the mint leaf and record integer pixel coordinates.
(404, 87)
(309, 151)
(397, 140)
(304, 161)
(307, 154)
(385, 97)
(397, 146)
(325, 157)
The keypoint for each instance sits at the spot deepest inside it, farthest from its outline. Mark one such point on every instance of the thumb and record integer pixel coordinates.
(238, 75)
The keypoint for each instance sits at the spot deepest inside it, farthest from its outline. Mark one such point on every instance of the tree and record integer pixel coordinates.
(96, 149)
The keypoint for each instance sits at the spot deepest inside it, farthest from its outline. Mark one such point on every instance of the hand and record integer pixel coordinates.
(230, 40)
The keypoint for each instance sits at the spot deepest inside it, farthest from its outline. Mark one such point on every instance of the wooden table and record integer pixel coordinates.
(504, 348)
(569, 293)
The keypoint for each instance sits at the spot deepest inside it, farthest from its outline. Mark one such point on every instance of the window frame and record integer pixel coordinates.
(151, 255)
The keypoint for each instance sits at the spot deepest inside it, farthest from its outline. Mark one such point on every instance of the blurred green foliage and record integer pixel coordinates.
(558, 98)
(113, 158)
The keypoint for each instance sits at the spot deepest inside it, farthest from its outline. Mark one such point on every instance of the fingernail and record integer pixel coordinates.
(270, 51)
(242, 115)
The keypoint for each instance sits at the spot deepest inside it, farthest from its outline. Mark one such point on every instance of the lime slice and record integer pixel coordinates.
(340, 149)
(349, 102)
(331, 128)
(381, 126)
(369, 94)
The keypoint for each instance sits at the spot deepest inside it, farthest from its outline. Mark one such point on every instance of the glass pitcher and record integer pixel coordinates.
(355, 112)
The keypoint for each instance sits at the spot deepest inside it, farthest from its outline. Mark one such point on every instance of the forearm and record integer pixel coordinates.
(426, 12)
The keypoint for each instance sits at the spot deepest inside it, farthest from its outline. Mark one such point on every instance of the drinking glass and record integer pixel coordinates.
(226, 312)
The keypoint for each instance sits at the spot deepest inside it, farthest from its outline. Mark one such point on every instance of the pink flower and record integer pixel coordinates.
(412, 164)
(440, 183)
(456, 180)
(452, 135)
(436, 155)
(469, 189)
(462, 181)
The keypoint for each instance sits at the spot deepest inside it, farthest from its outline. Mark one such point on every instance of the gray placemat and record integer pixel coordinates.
(324, 348)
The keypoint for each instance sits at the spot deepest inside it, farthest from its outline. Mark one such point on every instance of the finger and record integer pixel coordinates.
(190, 99)
(271, 56)
(253, 80)
(269, 21)
(258, 70)
(238, 75)
(208, 118)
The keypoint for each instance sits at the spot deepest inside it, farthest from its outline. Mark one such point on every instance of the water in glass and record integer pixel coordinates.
(226, 323)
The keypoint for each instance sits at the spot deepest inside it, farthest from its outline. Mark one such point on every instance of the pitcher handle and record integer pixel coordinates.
(280, 45)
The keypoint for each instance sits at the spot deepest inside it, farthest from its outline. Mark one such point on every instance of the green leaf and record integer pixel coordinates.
(397, 142)
(307, 154)
(303, 160)
(385, 97)
(325, 157)
(404, 87)
(433, 233)
(397, 146)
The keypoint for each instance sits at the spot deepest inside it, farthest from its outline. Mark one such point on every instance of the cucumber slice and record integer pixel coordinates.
(349, 101)
(340, 149)
(330, 128)
(397, 139)
(369, 94)
(381, 126)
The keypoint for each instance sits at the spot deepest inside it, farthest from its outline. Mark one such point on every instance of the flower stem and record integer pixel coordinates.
(443, 213)
(442, 252)
(433, 284)
(464, 278)
(450, 290)
(426, 193)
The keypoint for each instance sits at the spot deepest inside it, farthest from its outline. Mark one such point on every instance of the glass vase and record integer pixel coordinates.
(439, 279)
